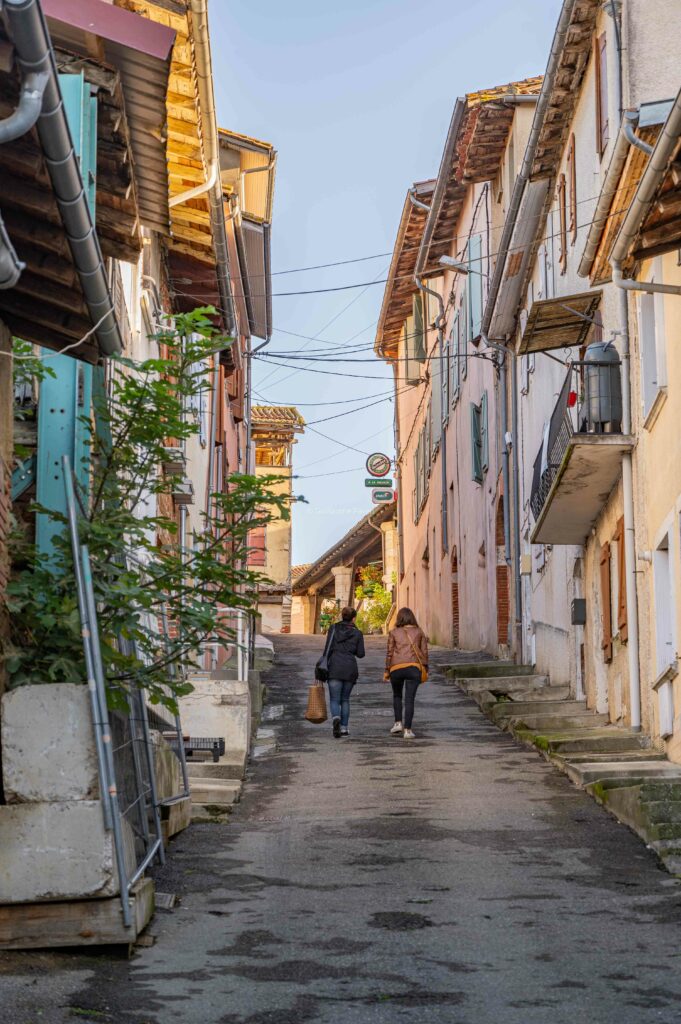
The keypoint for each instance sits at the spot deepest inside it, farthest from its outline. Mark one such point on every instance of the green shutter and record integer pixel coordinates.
(419, 335)
(454, 342)
(475, 284)
(476, 444)
(484, 431)
(464, 333)
(436, 389)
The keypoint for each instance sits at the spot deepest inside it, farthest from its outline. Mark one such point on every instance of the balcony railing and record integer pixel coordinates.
(579, 459)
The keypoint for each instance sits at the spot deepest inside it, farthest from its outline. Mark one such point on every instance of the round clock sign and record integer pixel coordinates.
(378, 464)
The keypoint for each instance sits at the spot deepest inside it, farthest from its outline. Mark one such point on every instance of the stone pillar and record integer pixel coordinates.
(302, 613)
(342, 577)
(390, 555)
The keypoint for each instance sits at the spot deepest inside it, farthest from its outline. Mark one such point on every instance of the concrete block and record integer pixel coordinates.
(503, 684)
(231, 766)
(557, 722)
(215, 791)
(169, 782)
(485, 669)
(221, 708)
(517, 708)
(615, 772)
(58, 851)
(176, 817)
(48, 744)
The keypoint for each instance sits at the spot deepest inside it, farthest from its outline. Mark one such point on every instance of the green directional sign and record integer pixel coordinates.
(381, 497)
(377, 482)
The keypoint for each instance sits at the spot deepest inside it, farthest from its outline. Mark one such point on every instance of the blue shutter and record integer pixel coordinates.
(464, 332)
(66, 399)
(484, 432)
(454, 342)
(475, 284)
(476, 444)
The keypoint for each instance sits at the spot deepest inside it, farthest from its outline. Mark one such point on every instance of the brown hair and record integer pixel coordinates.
(348, 614)
(406, 617)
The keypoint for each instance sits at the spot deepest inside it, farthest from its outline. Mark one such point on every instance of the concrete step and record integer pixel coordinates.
(601, 741)
(585, 720)
(543, 693)
(665, 787)
(216, 814)
(503, 684)
(517, 708)
(617, 772)
(628, 756)
(660, 811)
(218, 791)
(485, 669)
(228, 767)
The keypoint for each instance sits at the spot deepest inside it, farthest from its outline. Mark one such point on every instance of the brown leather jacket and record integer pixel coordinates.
(400, 651)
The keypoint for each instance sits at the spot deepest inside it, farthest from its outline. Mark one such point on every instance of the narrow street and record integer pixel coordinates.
(458, 878)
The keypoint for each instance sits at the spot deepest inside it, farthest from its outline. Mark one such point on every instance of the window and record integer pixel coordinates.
(652, 347)
(419, 340)
(606, 604)
(620, 603)
(511, 162)
(463, 334)
(562, 214)
(601, 77)
(412, 367)
(572, 188)
(446, 380)
(479, 441)
(256, 544)
(475, 285)
(664, 610)
(436, 396)
(455, 362)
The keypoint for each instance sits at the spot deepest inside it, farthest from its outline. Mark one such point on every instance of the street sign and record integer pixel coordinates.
(381, 497)
(378, 464)
(371, 481)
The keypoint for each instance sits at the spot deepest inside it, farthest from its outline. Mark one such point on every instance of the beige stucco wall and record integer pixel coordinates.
(278, 533)
(651, 35)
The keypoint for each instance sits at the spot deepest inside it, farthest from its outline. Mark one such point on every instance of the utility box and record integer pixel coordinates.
(578, 611)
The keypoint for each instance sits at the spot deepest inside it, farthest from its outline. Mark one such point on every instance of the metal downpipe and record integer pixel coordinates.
(516, 518)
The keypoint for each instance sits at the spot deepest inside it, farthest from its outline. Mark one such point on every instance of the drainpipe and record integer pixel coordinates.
(11, 266)
(663, 152)
(34, 53)
(28, 108)
(439, 325)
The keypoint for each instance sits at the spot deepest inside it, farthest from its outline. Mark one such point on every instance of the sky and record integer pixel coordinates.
(356, 97)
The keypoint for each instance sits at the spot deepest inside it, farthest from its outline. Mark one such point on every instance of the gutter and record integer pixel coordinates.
(440, 187)
(663, 152)
(34, 53)
(213, 186)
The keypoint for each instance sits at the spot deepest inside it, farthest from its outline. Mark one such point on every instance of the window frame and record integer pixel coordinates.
(561, 196)
(601, 90)
(572, 189)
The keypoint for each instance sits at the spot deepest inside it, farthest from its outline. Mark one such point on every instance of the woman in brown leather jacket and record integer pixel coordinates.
(406, 666)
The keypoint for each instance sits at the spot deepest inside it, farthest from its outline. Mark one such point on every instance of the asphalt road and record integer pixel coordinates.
(456, 879)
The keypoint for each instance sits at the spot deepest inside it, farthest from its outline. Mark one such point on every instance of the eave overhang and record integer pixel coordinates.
(400, 287)
(562, 322)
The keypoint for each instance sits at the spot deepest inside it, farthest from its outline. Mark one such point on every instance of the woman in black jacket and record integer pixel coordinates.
(347, 645)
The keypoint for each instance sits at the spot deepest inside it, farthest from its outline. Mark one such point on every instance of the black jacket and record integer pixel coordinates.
(347, 646)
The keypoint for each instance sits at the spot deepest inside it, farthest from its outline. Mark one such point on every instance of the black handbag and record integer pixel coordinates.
(321, 669)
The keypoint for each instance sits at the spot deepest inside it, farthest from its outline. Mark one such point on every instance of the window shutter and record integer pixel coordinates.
(484, 431)
(446, 377)
(572, 182)
(621, 584)
(412, 370)
(562, 213)
(475, 282)
(606, 611)
(419, 338)
(436, 389)
(601, 80)
(256, 543)
(476, 444)
(456, 369)
(464, 332)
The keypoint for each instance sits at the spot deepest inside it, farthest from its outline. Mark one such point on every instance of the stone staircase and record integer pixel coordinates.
(215, 787)
(615, 765)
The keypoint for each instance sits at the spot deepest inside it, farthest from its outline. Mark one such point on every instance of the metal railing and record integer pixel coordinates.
(576, 412)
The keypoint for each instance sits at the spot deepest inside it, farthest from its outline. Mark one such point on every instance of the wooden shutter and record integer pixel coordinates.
(606, 609)
(484, 433)
(475, 285)
(419, 337)
(601, 82)
(256, 543)
(562, 213)
(621, 584)
(572, 187)
(476, 444)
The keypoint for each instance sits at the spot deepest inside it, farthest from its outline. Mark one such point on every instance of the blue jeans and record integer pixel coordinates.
(339, 698)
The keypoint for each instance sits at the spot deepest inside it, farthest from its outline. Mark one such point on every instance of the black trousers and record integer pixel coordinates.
(407, 680)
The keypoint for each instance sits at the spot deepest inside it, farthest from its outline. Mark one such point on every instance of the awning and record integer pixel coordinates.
(562, 322)
(253, 241)
(140, 50)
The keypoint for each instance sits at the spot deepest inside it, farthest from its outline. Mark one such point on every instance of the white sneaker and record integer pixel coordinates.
(397, 728)
(408, 734)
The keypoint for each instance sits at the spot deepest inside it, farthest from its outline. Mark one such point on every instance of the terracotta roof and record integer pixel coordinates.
(298, 570)
(361, 536)
(277, 416)
(566, 89)
(475, 144)
(400, 287)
